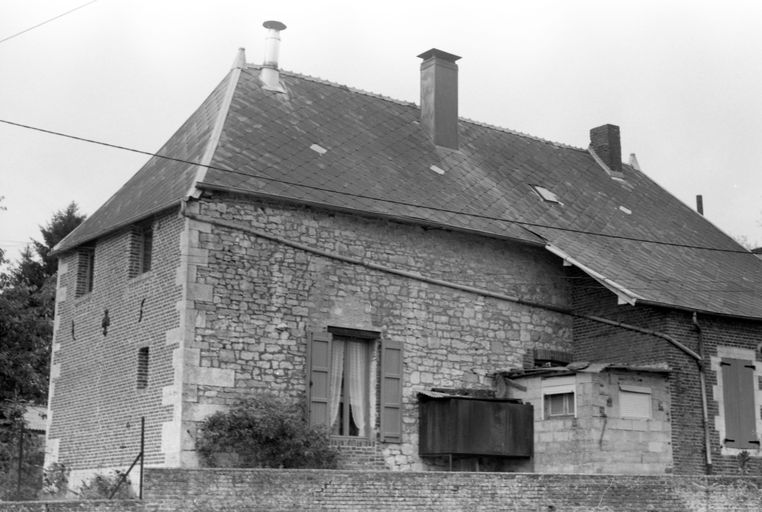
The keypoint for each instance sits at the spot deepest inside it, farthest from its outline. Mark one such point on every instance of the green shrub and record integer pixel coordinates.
(100, 487)
(264, 432)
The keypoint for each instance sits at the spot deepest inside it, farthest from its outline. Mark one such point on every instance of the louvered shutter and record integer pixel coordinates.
(319, 363)
(391, 391)
(739, 409)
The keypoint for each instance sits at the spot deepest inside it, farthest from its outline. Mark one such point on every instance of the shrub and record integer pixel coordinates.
(55, 480)
(100, 487)
(264, 432)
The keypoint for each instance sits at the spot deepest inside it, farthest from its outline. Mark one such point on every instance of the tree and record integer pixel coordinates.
(27, 306)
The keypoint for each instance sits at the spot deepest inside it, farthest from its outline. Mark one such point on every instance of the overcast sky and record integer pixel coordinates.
(683, 80)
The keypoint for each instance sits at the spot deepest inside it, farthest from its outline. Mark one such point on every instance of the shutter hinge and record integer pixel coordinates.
(729, 440)
(753, 442)
(750, 366)
(723, 363)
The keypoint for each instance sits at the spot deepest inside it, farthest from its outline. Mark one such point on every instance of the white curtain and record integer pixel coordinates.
(357, 357)
(334, 381)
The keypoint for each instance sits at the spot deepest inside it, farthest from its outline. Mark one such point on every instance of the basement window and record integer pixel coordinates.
(142, 368)
(545, 194)
(558, 397)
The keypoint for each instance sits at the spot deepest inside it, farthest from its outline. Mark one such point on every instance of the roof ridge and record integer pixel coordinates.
(413, 104)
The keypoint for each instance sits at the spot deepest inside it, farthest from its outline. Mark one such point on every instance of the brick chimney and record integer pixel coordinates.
(604, 140)
(439, 97)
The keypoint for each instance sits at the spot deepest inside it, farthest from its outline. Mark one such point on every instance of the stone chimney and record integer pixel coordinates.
(604, 141)
(439, 97)
(270, 76)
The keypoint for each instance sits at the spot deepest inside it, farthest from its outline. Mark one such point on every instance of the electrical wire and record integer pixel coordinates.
(363, 196)
(46, 21)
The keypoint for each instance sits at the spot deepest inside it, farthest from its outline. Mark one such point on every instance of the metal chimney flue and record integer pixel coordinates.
(270, 75)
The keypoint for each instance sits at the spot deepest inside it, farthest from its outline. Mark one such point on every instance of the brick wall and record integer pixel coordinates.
(275, 490)
(95, 404)
(596, 342)
(73, 506)
(266, 297)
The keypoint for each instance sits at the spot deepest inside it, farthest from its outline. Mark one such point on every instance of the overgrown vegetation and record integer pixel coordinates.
(264, 432)
(27, 305)
(100, 487)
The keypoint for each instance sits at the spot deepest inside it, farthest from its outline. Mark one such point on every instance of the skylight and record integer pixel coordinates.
(546, 194)
(318, 149)
(437, 169)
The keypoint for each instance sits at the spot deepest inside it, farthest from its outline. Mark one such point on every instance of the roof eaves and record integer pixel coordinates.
(399, 218)
(624, 296)
(62, 247)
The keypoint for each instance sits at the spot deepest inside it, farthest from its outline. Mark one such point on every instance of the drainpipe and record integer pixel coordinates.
(704, 408)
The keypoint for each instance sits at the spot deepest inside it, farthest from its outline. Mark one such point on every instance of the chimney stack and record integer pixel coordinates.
(270, 76)
(604, 141)
(439, 97)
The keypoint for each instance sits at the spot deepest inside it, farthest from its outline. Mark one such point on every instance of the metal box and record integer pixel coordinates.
(458, 425)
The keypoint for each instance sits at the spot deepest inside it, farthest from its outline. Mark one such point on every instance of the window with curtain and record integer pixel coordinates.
(348, 387)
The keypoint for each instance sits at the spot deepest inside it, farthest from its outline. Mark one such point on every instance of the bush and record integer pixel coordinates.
(101, 486)
(264, 432)
(55, 481)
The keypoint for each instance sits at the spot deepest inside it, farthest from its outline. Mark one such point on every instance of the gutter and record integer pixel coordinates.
(704, 406)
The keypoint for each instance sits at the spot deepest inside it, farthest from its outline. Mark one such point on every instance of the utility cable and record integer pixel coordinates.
(46, 21)
(364, 196)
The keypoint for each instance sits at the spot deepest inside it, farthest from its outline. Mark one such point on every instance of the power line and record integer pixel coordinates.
(363, 196)
(46, 21)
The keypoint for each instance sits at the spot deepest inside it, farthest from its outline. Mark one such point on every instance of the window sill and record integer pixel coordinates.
(140, 277)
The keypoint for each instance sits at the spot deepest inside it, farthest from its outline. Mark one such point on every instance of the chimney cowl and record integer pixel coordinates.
(269, 75)
(439, 97)
(606, 144)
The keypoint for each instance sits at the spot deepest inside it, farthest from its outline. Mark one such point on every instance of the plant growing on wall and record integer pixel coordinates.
(267, 432)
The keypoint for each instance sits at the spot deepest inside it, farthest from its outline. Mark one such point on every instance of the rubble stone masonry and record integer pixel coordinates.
(261, 299)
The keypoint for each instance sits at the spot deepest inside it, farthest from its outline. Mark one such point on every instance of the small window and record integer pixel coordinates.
(142, 368)
(561, 404)
(559, 399)
(546, 194)
(141, 249)
(634, 401)
(85, 270)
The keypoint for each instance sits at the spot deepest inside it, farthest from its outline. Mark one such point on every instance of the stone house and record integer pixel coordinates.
(338, 247)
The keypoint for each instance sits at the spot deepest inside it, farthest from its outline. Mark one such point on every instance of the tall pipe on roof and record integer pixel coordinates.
(270, 75)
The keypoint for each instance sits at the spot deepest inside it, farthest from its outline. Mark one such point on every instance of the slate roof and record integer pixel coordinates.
(374, 157)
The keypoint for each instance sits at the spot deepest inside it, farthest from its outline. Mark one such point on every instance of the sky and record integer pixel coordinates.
(682, 79)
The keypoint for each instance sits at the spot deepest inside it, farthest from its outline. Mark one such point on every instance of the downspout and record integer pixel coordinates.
(704, 407)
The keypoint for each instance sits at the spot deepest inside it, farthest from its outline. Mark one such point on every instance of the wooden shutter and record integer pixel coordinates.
(738, 403)
(391, 391)
(318, 368)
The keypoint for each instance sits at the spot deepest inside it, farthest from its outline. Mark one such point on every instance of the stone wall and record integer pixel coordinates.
(94, 400)
(267, 297)
(281, 490)
(600, 438)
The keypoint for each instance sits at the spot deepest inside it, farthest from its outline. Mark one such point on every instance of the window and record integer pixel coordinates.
(634, 401)
(85, 270)
(559, 399)
(546, 194)
(142, 368)
(740, 412)
(141, 249)
(339, 385)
